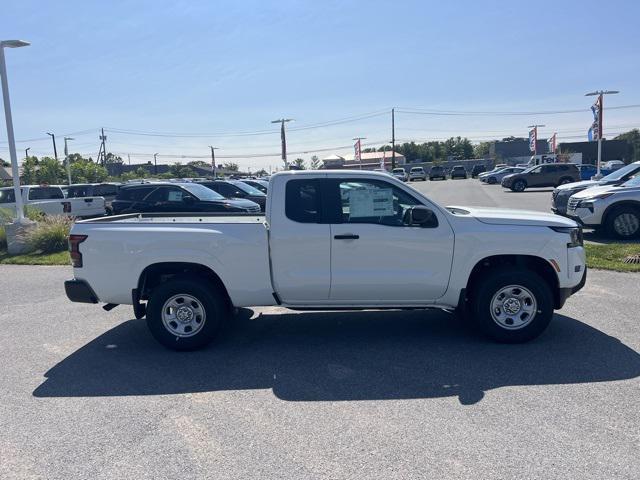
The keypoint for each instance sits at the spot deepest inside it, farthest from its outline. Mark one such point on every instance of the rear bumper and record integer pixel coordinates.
(80, 291)
(565, 293)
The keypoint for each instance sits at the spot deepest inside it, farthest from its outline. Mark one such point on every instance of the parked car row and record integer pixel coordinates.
(436, 172)
(142, 196)
(611, 204)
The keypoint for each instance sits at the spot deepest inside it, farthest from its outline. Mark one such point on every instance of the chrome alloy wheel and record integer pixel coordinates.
(183, 315)
(513, 307)
(626, 224)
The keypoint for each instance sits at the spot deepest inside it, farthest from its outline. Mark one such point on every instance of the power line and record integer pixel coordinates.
(420, 111)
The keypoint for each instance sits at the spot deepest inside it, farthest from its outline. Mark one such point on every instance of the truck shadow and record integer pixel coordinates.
(341, 356)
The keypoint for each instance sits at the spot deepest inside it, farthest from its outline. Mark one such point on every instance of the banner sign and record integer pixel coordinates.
(357, 150)
(553, 143)
(533, 139)
(595, 132)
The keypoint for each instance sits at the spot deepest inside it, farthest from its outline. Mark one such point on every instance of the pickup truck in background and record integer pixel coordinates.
(50, 200)
(331, 240)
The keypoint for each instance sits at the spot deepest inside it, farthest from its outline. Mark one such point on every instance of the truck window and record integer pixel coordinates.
(7, 196)
(135, 194)
(302, 201)
(102, 190)
(45, 193)
(78, 191)
(374, 201)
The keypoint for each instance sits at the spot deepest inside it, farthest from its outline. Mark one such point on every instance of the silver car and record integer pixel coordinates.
(495, 177)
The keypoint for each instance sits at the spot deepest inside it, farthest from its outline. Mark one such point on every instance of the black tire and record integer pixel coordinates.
(519, 186)
(623, 222)
(481, 309)
(211, 302)
(565, 180)
(492, 181)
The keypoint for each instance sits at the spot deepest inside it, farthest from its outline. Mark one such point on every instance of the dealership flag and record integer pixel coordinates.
(595, 132)
(357, 149)
(533, 139)
(552, 143)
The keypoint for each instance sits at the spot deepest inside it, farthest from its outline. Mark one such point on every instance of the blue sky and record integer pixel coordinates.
(205, 67)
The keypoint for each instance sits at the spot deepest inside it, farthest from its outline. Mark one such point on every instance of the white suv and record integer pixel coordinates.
(417, 173)
(617, 209)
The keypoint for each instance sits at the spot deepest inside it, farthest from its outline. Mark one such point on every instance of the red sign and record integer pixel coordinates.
(533, 139)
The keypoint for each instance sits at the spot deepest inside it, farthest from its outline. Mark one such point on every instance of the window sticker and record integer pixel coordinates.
(175, 196)
(376, 202)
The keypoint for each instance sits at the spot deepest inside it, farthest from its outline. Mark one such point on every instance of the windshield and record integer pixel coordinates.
(633, 182)
(622, 172)
(201, 192)
(246, 188)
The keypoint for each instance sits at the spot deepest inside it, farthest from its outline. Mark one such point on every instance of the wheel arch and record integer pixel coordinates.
(612, 208)
(531, 262)
(158, 273)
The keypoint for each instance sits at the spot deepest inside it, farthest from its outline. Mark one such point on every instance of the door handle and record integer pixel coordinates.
(347, 236)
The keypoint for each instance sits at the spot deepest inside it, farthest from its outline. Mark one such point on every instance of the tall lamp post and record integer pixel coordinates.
(213, 161)
(26, 152)
(600, 94)
(55, 150)
(66, 158)
(155, 164)
(15, 172)
(283, 139)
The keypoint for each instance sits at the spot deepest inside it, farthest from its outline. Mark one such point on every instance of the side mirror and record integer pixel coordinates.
(420, 216)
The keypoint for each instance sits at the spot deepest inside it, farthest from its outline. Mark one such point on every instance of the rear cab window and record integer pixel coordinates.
(45, 193)
(7, 196)
(303, 201)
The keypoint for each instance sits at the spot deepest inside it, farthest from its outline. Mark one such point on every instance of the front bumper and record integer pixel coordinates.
(80, 291)
(565, 293)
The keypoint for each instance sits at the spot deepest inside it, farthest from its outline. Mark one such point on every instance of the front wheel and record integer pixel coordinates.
(512, 306)
(624, 222)
(519, 186)
(183, 314)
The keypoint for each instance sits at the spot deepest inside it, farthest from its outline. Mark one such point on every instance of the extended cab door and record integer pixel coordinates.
(375, 257)
(299, 241)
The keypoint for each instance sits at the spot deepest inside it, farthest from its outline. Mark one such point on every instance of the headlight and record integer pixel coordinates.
(575, 235)
(595, 197)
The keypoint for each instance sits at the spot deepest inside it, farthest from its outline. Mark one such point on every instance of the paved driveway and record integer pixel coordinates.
(89, 394)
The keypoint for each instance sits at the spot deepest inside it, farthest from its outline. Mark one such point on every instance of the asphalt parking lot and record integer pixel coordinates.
(89, 394)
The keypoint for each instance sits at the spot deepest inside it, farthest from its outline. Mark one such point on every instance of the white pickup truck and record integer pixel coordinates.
(331, 240)
(50, 200)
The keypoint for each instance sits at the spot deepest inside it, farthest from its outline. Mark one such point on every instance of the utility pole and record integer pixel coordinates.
(55, 150)
(155, 163)
(103, 138)
(283, 139)
(66, 158)
(600, 94)
(129, 158)
(358, 146)
(393, 138)
(213, 161)
(26, 152)
(535, 141)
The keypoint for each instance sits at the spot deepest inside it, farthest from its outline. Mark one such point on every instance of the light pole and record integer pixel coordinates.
(15, 172)
(359, 150)
(26, 152)
(283, 139)
(600, 94)
(155, 163)
(66, 158)
(55, 150)
(213, 161)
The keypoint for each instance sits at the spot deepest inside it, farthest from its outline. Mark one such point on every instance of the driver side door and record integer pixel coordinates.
(375, 257)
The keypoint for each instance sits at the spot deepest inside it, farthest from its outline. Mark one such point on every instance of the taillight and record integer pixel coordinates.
(66, 207)
(74, 249)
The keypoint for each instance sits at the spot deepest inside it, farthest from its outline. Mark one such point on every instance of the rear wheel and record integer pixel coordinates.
(184, 314)
(624, 222)
(519, 186)
(512, 306)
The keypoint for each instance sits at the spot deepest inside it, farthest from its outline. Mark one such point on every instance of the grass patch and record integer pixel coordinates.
(35, 258)
(610, 256)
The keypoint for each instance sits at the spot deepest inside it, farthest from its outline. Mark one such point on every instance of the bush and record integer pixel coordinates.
(51, 234)
(3, 238)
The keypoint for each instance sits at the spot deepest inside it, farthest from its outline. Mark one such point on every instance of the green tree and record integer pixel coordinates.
(231, 166)
(482, 149)
(86, 171)
(633, 139)
(315, 162)
(261, 173)
(178, 170)
(199, 163)
(299, 163)
(112, 158)
(4, 163)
